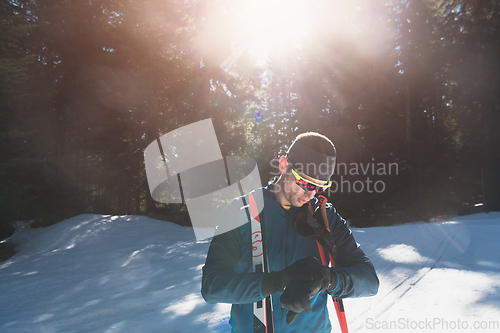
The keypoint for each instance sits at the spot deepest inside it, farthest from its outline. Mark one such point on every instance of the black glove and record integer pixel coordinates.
(296, 298)
(297, 295)
(307, 269)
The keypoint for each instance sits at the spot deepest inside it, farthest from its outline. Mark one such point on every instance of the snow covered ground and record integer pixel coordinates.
(95, 273)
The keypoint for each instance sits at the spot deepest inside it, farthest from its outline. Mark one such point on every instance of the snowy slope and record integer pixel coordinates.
(438, 277)
(95, 273)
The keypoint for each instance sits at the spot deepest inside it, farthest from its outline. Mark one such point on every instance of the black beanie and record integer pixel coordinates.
(311, 162)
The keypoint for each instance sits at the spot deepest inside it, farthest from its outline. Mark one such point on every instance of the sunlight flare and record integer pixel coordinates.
(270, 25)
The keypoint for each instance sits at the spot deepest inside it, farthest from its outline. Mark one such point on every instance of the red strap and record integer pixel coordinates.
(339, 308)
(321, 253)
(339, 305)
(254, 211)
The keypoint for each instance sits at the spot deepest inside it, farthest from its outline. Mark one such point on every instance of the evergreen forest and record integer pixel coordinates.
(408, 91)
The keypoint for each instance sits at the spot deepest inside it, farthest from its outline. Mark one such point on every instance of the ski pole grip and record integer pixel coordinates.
(309, 208)
(322, 206)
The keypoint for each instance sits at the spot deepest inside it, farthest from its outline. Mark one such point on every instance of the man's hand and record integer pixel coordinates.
(307, 269)
(297, 295)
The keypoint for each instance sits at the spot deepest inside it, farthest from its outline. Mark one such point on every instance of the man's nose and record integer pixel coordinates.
(311, 194)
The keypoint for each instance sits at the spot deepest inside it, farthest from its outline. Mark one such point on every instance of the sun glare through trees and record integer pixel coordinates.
(262, 27)
(86, 85)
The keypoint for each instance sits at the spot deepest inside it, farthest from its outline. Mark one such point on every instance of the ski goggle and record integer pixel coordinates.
(308, 185)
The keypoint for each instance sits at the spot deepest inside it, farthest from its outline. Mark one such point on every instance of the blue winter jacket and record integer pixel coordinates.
(228, 274)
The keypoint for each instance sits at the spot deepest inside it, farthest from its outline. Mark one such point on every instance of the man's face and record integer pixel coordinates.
(293, 193)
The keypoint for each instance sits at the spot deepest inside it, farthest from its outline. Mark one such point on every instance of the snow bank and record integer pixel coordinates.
(95, 273)
(437, 277)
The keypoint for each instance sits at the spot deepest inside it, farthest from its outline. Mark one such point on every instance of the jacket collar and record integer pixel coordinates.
(270, 194)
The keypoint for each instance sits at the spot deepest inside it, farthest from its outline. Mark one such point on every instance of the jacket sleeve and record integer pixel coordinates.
(220, 283)
(356, 273)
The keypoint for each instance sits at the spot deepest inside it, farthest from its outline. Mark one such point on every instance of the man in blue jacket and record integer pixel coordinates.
(297, 280)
